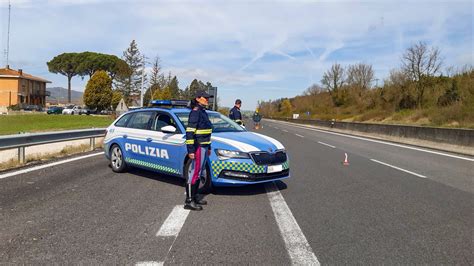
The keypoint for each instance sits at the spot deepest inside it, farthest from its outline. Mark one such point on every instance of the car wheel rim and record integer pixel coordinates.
(116, 158)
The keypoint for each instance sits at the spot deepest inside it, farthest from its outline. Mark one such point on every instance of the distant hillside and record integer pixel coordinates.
(60, 94)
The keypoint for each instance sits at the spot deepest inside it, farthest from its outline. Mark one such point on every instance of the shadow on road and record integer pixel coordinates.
(247, 190)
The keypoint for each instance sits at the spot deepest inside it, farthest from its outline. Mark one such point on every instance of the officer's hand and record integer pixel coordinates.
(208, 152)
(191, 156)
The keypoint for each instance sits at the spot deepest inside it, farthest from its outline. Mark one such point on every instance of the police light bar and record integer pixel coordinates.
(170, 103)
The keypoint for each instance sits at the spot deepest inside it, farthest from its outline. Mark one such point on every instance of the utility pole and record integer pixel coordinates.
(8, 32)
(143, 81)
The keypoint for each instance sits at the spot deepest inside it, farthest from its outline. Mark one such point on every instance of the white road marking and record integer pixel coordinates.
(284, 130)
(298, 248)
(382, 142)
(322, 143)
(174, 222)
(398, 168)
(301, 136)
(27, 170)
(149, 263)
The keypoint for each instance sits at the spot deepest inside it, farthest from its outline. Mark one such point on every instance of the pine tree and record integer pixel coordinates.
(130, 84)
(155, 72)
(174, 88)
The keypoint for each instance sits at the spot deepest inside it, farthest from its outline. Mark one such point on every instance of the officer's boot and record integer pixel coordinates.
(189, 204)
(198, 198)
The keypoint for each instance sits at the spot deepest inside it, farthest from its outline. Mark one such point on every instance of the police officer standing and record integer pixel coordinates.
(198, 142)
(235, 114)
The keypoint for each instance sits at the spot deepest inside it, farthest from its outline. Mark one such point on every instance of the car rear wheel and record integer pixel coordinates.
(205, 186)
(117, 160)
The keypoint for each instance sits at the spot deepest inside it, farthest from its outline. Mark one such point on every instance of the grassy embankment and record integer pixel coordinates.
(12, 124)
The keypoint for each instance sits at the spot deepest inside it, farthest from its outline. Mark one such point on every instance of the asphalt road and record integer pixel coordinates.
(390, 205)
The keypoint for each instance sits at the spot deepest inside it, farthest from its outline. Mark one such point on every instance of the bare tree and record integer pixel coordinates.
(333, 78)
(360, 75)
(313, 90)
(420, 63)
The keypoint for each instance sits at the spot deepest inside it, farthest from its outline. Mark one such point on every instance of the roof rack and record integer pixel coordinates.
(170, 103)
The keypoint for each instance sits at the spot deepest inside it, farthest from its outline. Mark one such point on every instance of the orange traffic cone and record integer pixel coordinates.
(346, 162)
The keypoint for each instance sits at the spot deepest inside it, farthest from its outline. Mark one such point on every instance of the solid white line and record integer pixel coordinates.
(174, 222)
(298, 248)
(149, 263)
(301, 136)
(322, 143)
(27, 170)
(381, 142)
(398, 168)
(284, 130)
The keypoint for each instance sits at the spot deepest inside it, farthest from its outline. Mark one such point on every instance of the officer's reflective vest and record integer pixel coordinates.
(199, 129)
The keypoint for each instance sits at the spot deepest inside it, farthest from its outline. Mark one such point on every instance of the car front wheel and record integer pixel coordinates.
(205, 186)
(117, 160)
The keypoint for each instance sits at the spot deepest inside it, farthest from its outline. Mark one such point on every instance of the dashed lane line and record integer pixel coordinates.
(149, 263)
(325, 144)
(284, 130)
(398, 168)
(378, 141)
(27, 170)
(174, 222)
(298, 248)
(301, 136)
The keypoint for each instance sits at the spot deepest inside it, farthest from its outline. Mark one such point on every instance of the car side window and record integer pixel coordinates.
(141, 120)
(162, 120)
(123, 121)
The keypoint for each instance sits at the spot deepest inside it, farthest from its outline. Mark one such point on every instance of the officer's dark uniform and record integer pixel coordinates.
(235, 115)
(198, 141)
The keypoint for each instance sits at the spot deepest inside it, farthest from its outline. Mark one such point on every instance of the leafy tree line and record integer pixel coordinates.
(125, 76)
(416, 92)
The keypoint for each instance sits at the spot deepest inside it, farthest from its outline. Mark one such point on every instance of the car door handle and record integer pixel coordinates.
(125, 136)
(149, 140)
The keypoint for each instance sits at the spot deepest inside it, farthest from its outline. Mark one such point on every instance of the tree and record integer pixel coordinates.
(66, 64)
(90, 62)
(130, 83)
(98, 93)
(155, 72)
(360, 75)
(333, 78)
(313, 90)
(174, 89)
(420, 63)
(286, 108)
(116, 97)
(162, 94)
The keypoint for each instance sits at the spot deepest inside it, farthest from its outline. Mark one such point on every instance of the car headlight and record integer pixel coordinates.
(226, 154)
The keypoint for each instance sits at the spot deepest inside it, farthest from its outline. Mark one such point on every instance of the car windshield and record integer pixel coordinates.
(220, 123)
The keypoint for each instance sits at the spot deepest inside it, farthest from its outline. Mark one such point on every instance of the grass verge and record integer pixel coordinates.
(12, 124)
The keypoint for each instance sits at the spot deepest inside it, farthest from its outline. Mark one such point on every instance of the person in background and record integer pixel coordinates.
(257, 117)
(235, 114)
(198, 142)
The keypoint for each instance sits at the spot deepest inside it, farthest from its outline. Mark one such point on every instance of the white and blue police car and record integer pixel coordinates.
(154, 138)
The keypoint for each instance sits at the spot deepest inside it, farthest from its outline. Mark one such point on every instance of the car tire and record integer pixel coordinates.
(117, 160)
(72, 113)
(205, 187)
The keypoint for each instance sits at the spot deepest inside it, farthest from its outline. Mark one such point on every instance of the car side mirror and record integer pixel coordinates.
(168, 129)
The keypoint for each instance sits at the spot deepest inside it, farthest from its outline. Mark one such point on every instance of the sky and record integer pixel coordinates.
(252, 50)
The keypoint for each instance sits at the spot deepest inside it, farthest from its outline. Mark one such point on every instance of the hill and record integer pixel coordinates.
(59, 95)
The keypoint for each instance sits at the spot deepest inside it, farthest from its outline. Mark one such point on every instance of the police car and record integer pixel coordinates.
(154, 138)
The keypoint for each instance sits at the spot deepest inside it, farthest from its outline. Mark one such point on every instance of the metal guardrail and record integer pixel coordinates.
(21, 141)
